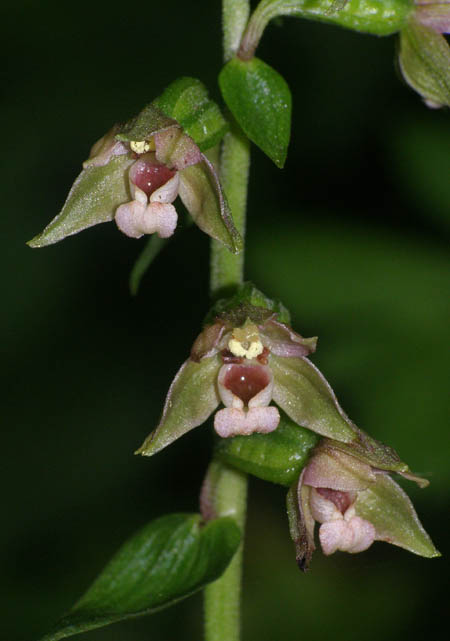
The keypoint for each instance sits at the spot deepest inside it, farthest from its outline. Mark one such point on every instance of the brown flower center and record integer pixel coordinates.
(246, 381)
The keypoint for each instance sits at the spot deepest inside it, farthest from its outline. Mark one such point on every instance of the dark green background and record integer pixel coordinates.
(352, 235)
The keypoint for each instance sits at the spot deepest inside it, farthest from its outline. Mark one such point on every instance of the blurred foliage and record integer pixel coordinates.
(352, 236)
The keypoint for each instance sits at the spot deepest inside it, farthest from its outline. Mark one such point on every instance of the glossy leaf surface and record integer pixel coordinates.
(278, 457)
(166, 561)
(93, 199)
(260, 100)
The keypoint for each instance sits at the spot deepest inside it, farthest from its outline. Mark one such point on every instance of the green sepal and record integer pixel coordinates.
(278, 457)
(392, 514)
(425, 63)
(260, 100)
(169, 559)
(202, 195)
(247, 302)
(183, 103)
(93, 199)
(376, 454)
(304, 394)
(191, 399)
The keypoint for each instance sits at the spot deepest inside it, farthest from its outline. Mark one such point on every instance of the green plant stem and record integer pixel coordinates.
(235, 15)
(222, 598)
(227, 270)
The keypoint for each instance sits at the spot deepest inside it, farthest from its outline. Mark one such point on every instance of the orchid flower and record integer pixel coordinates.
(135, 172)
(355, 501)
(249, 360)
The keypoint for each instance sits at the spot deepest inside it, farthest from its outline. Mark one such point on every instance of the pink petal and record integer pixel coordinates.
(105, 149)
(232, 421)
(129, 218)
(353, 536)
(335, 535)
(281, 340)
(135, 219)
(229, 422)
(435, 15)
(337, 470)
(322, 509)
(262, 419)
(207, 343)
(160, 218)
(363, 535)
(176, 149)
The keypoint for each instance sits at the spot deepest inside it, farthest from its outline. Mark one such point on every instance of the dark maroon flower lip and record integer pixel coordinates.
(246, 381)
(149, 175)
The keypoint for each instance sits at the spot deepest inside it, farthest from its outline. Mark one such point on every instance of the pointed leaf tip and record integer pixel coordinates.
(169, 559)
(260, 100)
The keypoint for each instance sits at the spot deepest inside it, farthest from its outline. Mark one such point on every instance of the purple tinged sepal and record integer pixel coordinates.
(434, 14)
(354, 502)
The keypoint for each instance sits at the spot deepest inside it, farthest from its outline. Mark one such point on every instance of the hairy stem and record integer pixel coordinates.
(235, 15)
(228, 497)
(228, 486)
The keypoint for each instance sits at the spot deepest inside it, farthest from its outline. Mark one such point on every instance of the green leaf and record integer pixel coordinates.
(278, 457)
(260, 100)
(391, 512)
(304, 394)
(93, 199)
(201, 193)
(166, 561)
(154, 245)
(425, 63)
(191, 399)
